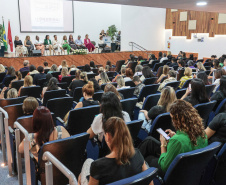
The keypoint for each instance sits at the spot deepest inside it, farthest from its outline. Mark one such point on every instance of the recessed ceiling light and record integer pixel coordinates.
(201, 3)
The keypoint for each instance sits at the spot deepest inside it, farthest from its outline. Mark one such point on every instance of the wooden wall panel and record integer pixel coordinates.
(207, 22)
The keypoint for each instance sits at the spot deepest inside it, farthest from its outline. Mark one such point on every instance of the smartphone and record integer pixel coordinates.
(160, 131)
(189, 87)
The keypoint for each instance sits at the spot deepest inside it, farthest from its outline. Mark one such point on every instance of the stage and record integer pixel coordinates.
(78, 60)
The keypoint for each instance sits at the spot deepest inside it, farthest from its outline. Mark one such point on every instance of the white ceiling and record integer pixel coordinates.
(212, 6)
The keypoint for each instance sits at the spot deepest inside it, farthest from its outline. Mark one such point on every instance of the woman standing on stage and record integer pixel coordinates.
(39, 45)
(88, 43)
(48, 44)
(66, 45)
(28, 44)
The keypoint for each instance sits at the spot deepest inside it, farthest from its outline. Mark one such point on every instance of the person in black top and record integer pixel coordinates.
(197, 91)
(96, 85)
(78, 83)
(216, 130)
(39, 76)
(221, 94)
(116, 165)
(174, 63)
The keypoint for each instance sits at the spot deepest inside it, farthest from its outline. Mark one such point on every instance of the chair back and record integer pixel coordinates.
(46, 71)
(156, 66)
(12, 101)
(103, 85)
(208, 72)
(209, 89)
(127, 92)
(153, 63)
(80, 119)
(8, 80)
(17, 84)
(2, 76)
(69, 151)
(128, 105)
(26, 122)
(60, 106)
(72, 72)
(162, 121)
(110, 73)
(130, 83)
(192, 164)
(180, 74)
(151, 101)
(53, 94)
(77, 94)
(41, 82)
(97, 96)
(63, 85)
(147, 90)
(132, 65)
(180, 93)
(14, 111)
(24, 73)
(149, 81)
(56, 74)
(186, 84)
(67, 79)
(163, 78)
(134, 128)
(119, 64)
(90, 76)
(204, 110)
(174, 85)
(143, 178)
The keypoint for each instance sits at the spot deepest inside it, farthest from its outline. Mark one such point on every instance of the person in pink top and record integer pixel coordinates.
(88, 43)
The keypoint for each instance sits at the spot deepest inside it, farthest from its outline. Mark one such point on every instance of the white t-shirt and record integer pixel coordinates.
(101, 42)
(38, 42)
(97, 125)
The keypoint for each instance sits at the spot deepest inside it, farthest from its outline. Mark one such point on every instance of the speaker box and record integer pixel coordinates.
(36, 53)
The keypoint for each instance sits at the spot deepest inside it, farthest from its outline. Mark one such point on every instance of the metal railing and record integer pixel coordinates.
(6, 140)
(137, 46)
(49, 169)
(19, 128)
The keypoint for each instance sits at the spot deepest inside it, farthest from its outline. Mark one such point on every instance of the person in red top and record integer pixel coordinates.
(64, 72)
(88, 43)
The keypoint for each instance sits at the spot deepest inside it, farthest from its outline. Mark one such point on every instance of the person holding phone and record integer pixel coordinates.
(190, 135)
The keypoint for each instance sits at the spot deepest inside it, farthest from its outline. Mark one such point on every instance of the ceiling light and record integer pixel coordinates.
(201, 3)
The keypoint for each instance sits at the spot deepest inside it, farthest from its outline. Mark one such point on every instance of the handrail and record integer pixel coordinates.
(8, 148)
(49, 173)
(19, 128)
(3, 146)
(133, 44)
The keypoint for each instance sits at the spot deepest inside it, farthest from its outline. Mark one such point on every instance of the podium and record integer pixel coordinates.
(107, 40)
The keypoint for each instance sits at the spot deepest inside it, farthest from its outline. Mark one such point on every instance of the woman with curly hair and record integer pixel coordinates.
(190, 135)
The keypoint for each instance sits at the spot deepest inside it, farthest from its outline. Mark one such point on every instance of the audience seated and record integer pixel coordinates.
(152, 58)
(197, 93)
(191, 64)
(123, 74)
(111, 88)
(163, 58)
(132, 59)
(174, 63)
(171, 78)
(101, 69)
(121, 83)
(187, 76)
(73, 68)
(46, 65)
(40, 75)
(18, 77)
(189, 136)
(45, 131)
(164, 73)
(116, 165)
(129, 75)
(216, 65)
(2, 69)
(10, 72)
(160, 55)
(110, 106)
(78, 83)
(104, 78)
(167, 98)
(26, 66)
(217, 76)
(96, 85)
(32, 70)
(200, 66)
(138, 87)
(140, 60)
(53, 68)
(109, 63)
(63, 64)
(107, 68)
(146, 73)
(48, 77)
(181, 64)
(64, 72)
(12, 93)
(52, 85)
(203, 76)
(28, 82)
(87, 69)
(29, 105)
(138, 70)
(169, 55)
(92, 65)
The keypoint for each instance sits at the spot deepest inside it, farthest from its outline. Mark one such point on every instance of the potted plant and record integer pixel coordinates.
(2, 48)
(112, 30)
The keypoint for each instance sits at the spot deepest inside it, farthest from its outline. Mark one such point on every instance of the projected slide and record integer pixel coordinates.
(46, 15)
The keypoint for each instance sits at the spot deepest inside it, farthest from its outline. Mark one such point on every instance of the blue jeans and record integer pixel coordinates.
(146, 124)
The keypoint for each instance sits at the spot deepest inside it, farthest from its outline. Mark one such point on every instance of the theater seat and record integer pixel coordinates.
(143, 178)
(174, 85)
(134, 127)
(97, 96)
(151, 101)
(147, 90)
(127, 92)
(180, 93)
(186, 84)
(149, 81)
(53, 94)
(34, 91)
(128, 105)
(17, 84)
(12, 101)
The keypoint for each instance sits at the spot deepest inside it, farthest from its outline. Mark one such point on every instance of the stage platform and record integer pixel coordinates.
(78, 60)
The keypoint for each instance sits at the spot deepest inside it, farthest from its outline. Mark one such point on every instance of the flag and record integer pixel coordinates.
(10, 37)
(4, 38)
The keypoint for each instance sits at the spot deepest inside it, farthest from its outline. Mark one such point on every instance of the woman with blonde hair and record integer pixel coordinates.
(111, 88)
(83, 79)
(190, 135)
(101, 69)
(167, 98)
(29, 105)
(187, 76)
(2, 68)
(53, 68)
(28, 82)
(63, 64)
(18, 77)
(28, 44)
(200, 66)
(20, 49)
(121, 83)
(165, 72)
(129, 75)
(64, 72)
(12, 93)
(104, 78)
(124, 160)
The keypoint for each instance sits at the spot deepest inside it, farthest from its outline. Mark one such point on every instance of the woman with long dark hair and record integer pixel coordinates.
(44, 131)
(52, 85)
(110, 106)
(147, 73)
(203, 76)
(189, 136)
(78, 83)
(197, 93)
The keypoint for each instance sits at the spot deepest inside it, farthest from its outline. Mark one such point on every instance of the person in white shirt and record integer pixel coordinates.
(164, 58)
(39, 45)
(56, 45)
(102, 44)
